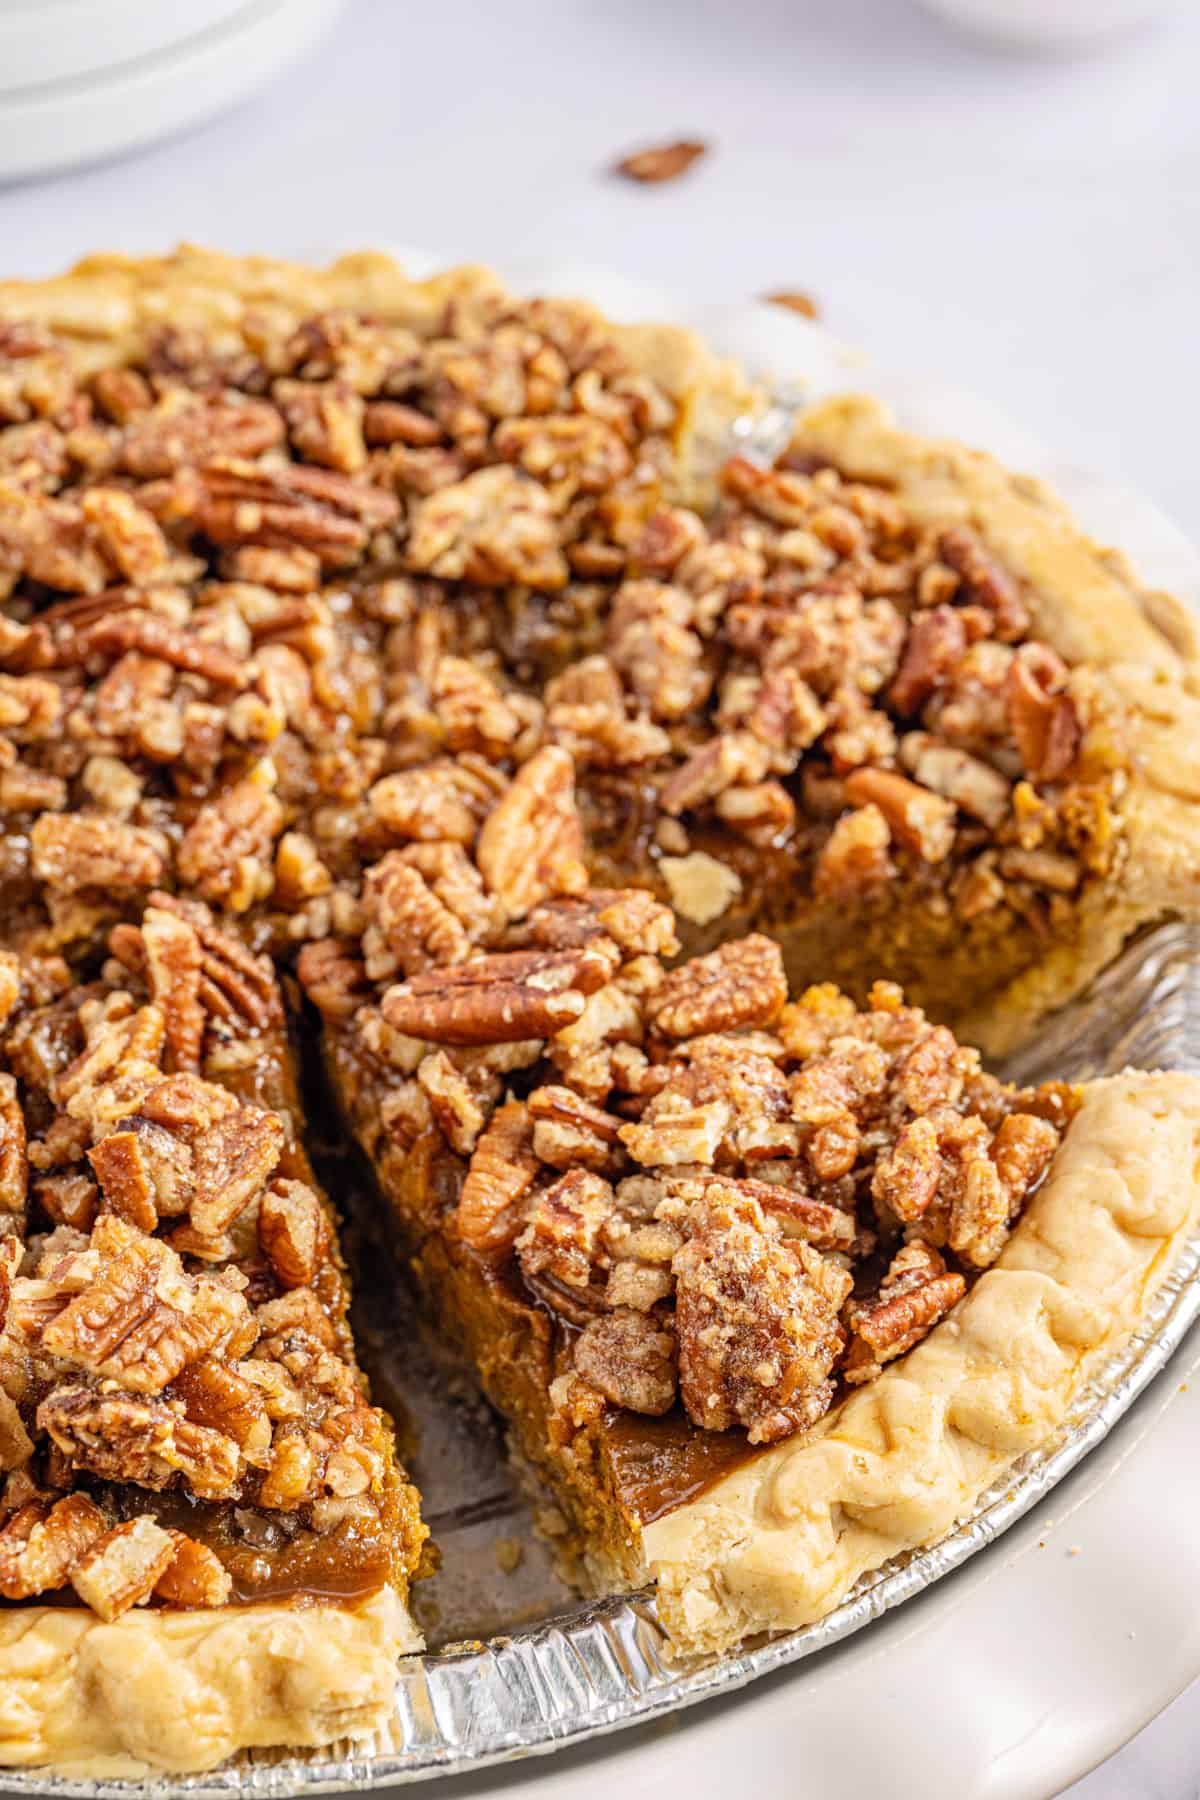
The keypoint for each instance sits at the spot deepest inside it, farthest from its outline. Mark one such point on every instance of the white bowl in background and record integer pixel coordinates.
(121, 105)
(54, 40)
(1048, 24)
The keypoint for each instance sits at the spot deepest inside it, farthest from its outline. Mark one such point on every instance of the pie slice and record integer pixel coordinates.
(424, 641)
(206, 1540)
(769, 1291)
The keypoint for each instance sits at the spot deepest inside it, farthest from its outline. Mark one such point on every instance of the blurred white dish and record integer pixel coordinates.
(121, 105)
(1048, 24)
(53, 40)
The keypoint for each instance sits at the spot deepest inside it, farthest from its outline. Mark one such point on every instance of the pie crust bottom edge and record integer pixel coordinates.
(780, 1542)
(179, 1692)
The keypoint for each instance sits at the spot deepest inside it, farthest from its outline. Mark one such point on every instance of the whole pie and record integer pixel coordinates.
(634, 837)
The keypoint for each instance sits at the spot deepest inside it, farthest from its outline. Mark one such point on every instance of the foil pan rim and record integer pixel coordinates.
(599, 1668)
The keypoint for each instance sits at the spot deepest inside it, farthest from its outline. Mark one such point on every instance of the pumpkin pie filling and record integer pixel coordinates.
(417, 649)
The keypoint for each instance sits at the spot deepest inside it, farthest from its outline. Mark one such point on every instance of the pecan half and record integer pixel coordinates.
(500, 999)
(662, 162)
(531, 845)
(742, 983)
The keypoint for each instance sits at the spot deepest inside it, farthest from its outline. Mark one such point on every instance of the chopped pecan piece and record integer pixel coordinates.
(130, 536)
(493, 527)
(454, 1106)
(186, 428)
(740, 984)
(119, 633)
(224, 1397)
(906, 1177)
(325, 422)
(293, 1230)
(986, 582)
(915, 1293)
(194, 1577)
(174, 963)
(41, 1544)
(122, 1568)
(757, 1319)
(226, 853)
(444, 801)
(944, 769)
(569, 1132)
(144, 1171)
(531, 845)
(147, 1442)
(921, 821)
(664, 162)
(1044, 720)
(232, 1160)
(14, 1163)
(936, 641)
(854, 859)
(411, 926)
(629, 1356)
(80, 850)
(563, 1234)
(140, 1320)
(492, 1202)
(293, 507)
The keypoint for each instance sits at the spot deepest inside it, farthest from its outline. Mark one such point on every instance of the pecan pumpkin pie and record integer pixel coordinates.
(420, 645)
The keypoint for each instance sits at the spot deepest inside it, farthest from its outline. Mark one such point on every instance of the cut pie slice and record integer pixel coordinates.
(206, 1540)
(769, 1291)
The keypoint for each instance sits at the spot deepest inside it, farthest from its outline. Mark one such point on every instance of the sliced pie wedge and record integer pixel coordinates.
(769, 1291)
(206, 1540)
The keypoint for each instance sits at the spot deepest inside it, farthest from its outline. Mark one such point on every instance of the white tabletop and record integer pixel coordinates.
(1025, 227)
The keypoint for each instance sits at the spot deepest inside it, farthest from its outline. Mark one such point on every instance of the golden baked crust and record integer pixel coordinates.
(781, 1542)
(1088, 603)
(182, 1691)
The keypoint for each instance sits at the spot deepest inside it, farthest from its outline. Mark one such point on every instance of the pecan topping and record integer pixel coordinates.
(493, 527)
(1043, 718)
(140, 1319)
(986, 582)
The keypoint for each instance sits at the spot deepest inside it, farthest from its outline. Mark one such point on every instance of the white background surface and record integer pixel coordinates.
(1028, 228)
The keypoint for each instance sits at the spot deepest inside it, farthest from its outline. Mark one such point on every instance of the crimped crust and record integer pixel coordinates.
(184, 1690)
(781, 1542)
(1087, 603)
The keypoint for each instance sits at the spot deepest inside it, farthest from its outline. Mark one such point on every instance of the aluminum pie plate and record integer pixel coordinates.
(517, 1667)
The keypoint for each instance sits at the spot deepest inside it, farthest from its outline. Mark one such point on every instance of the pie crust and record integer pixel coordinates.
(181, 1691)
(782, 1539)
